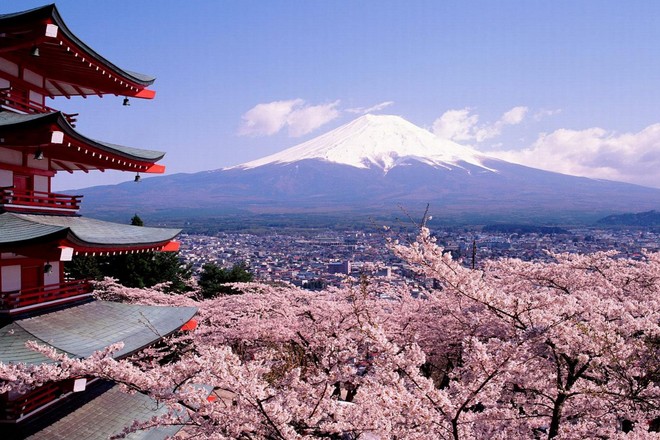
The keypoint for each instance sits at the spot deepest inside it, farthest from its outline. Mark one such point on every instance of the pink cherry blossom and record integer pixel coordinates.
(563, 350)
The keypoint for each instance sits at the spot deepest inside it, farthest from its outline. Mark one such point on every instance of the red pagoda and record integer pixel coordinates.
(40, 59)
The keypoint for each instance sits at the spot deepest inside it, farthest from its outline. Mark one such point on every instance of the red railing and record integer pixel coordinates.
(34, 200)
(19, 299)
(17, 100)
(24, 404)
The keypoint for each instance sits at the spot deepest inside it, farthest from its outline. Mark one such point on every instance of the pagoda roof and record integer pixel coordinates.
(107, 415)
(79, 69)
(82, 330)
(68, 149)
(84, 235)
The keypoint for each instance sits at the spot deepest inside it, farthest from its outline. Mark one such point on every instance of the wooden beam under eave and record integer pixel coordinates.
(25, 139)
(119, 248)
(61, 90)
(48, 251)
(15, 47)
(80, 92)
(22, 83)
(63, 166)
(86, 170)
(26, 170)
(21, 39)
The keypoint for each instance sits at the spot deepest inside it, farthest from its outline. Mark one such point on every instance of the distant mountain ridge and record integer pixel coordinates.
(374, 165)
(512, 228)
(648, 218)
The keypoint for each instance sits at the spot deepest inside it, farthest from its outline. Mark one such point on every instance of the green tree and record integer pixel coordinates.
(316, 284)
(213, 279)
(84, 267)
(135, 270)
(147, 269)
(136, 221)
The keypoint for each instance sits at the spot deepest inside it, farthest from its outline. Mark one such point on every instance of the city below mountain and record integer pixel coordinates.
(376, 165)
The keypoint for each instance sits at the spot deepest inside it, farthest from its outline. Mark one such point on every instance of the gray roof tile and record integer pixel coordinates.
(16, 229)
(51, 12)
(23, 227)
(107, 415)
(84, 329)
(13, 349)
(10, 120)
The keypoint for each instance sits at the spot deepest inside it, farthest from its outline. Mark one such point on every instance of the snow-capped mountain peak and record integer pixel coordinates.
(375, 141)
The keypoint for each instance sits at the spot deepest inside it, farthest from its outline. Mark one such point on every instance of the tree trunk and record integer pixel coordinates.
(556, 415)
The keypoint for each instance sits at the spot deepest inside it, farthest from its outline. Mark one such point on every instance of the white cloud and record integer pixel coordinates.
(456, 125)
(596, 153)
(300, 118)
(460, 125)
(544, 113)
(269, 118)
(306, 119)
(365, 110)
(514, 116)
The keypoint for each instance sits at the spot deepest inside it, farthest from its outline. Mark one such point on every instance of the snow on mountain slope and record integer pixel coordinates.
(381, 141)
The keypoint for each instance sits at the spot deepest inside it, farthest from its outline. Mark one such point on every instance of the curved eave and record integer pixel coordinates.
(82, 70)
(17, 231)
(135, 154)
(46, 235)
(84, 248)
(98, 325)
(72, 150)
(108, 414)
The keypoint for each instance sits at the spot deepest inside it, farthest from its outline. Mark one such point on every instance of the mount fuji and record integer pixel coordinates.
(375, 165)
(376, 142)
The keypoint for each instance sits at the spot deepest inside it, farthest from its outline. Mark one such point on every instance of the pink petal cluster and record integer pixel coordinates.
(564, 350)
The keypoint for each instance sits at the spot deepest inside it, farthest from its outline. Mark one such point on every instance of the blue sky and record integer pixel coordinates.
(570, 86)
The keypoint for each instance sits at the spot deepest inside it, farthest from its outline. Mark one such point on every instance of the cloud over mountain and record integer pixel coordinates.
(372, 109)
(462, 125)
(296, 115)
(596, 153)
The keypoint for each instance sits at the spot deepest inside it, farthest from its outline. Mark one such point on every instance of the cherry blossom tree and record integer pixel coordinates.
(564, 349)
(568, 349)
